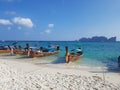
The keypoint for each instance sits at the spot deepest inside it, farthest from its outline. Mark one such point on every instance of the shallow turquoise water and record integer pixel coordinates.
(95, 53)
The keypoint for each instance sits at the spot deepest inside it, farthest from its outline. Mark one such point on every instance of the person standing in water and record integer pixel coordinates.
(27, 49)
(119, 61)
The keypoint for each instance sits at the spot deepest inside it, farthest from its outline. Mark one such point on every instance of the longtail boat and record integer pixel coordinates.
(23, 51)
(34, 52)
(5, 49)
(72, 56)
(41, 53)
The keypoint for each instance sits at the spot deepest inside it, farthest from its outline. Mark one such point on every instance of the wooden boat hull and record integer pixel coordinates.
(5, 51)
(73, 57)
(41, 54)
(21, 52)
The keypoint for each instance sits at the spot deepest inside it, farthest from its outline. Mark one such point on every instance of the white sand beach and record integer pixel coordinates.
(26, 75)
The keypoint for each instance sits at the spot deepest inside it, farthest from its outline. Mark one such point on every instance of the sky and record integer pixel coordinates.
(61, 20)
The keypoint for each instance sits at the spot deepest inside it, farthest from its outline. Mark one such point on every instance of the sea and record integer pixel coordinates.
(95, 54)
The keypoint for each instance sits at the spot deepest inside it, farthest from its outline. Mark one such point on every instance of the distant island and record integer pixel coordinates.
(98, 39)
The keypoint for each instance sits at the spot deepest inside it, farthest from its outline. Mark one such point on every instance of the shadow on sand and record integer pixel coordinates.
(111, 66)
(59, 60)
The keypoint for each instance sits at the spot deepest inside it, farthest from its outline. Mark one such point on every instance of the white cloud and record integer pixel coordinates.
(23, 21)
(50, 25)
(48, 31)
(5, 22)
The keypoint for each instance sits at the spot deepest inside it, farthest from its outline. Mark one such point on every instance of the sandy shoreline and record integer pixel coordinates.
(27, 75)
